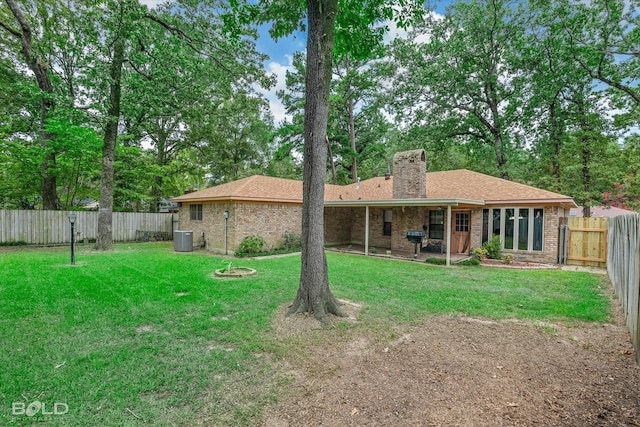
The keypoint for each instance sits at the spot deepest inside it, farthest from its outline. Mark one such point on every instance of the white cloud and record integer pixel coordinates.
(152, 4)
(279, 71)
(403, 33)
(394, 32)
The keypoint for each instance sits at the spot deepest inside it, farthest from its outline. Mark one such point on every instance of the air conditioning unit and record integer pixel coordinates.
(183, 240)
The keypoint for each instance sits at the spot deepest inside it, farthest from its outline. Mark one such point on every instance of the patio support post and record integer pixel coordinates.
(448, 235)
(366, 230)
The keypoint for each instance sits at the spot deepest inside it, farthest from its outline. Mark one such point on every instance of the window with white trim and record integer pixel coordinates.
(436, 224)
(519, 228)
(386, 222)
(196, 212)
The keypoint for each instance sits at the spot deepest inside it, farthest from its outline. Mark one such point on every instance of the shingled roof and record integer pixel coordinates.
(256, 188)
(455, 184)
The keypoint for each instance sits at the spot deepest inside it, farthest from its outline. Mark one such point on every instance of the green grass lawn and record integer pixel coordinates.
(144, 335)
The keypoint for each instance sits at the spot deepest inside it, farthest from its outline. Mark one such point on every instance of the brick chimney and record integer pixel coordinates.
(410, 175)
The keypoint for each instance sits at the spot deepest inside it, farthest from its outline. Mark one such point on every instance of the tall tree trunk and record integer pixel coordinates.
(352, 139)
(104, 240)
(352, 128)
(555, 140)
(334, 178)
(49, 183)
(586, 177)
(40, 70)
(314, 294)
(496, 129)
(156, 193)
(161, 161)
(585, 150)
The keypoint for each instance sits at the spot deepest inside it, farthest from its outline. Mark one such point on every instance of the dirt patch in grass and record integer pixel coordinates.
(144, 329)
(459, 371)
(303, 322)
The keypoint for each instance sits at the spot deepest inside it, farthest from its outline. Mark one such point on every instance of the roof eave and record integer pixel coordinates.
(235, 199)
(563, 202)
(403, 202)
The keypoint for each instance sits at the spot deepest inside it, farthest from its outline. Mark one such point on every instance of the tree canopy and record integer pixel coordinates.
(544, 93)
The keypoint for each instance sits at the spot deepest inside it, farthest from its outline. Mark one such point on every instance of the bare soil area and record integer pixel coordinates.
(457, 371)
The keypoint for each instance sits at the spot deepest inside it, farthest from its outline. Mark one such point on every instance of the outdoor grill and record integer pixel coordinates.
(415, 237)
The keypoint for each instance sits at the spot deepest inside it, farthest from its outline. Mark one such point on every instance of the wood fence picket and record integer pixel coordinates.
(623, 265)
(37, 227)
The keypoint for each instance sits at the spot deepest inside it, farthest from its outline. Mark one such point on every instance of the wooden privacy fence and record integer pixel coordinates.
(37, 227)
(623, 264)
(584, 242)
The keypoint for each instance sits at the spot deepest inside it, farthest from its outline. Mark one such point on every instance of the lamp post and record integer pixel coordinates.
(72, 221)
(225, 215)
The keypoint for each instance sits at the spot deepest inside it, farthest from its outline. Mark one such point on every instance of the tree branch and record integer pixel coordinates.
(15, 33)
(190, 41)
(143, 74)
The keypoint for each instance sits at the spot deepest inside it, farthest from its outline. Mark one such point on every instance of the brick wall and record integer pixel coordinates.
(342, 226)
(212, 225)
(405, 219)
(270, 221)
(409, 175)
(476, 228)
(347, 226)
(337, 226)
(377, 239)
(551, 223)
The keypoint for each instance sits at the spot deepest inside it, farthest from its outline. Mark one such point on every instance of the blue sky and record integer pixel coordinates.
(280, 57)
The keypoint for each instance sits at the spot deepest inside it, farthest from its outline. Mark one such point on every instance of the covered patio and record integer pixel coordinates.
(403, 209)
(396, 254)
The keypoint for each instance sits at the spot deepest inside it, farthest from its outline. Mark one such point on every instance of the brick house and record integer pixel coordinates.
(457, 210)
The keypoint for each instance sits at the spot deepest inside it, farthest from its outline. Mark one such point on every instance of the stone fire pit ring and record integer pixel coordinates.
(235, 272)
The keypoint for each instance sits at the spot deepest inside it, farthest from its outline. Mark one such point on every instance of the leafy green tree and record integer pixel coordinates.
(626, 192)
(78, 148)
(347, 26)
(173, 52)
(356, 126)
(134, 174)
(551, 79)
(234, 139)
(459, 73)
(179, 87)
(603, 35)
(27, 40)
(20, 151)
(589, 160)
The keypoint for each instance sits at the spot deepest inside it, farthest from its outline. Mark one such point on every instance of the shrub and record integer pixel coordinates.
(493, 248)
(508, 258)
(291, 241)
(13, 243)
(480, 254)
(251, 244)
(227, 267)
(436, 261)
